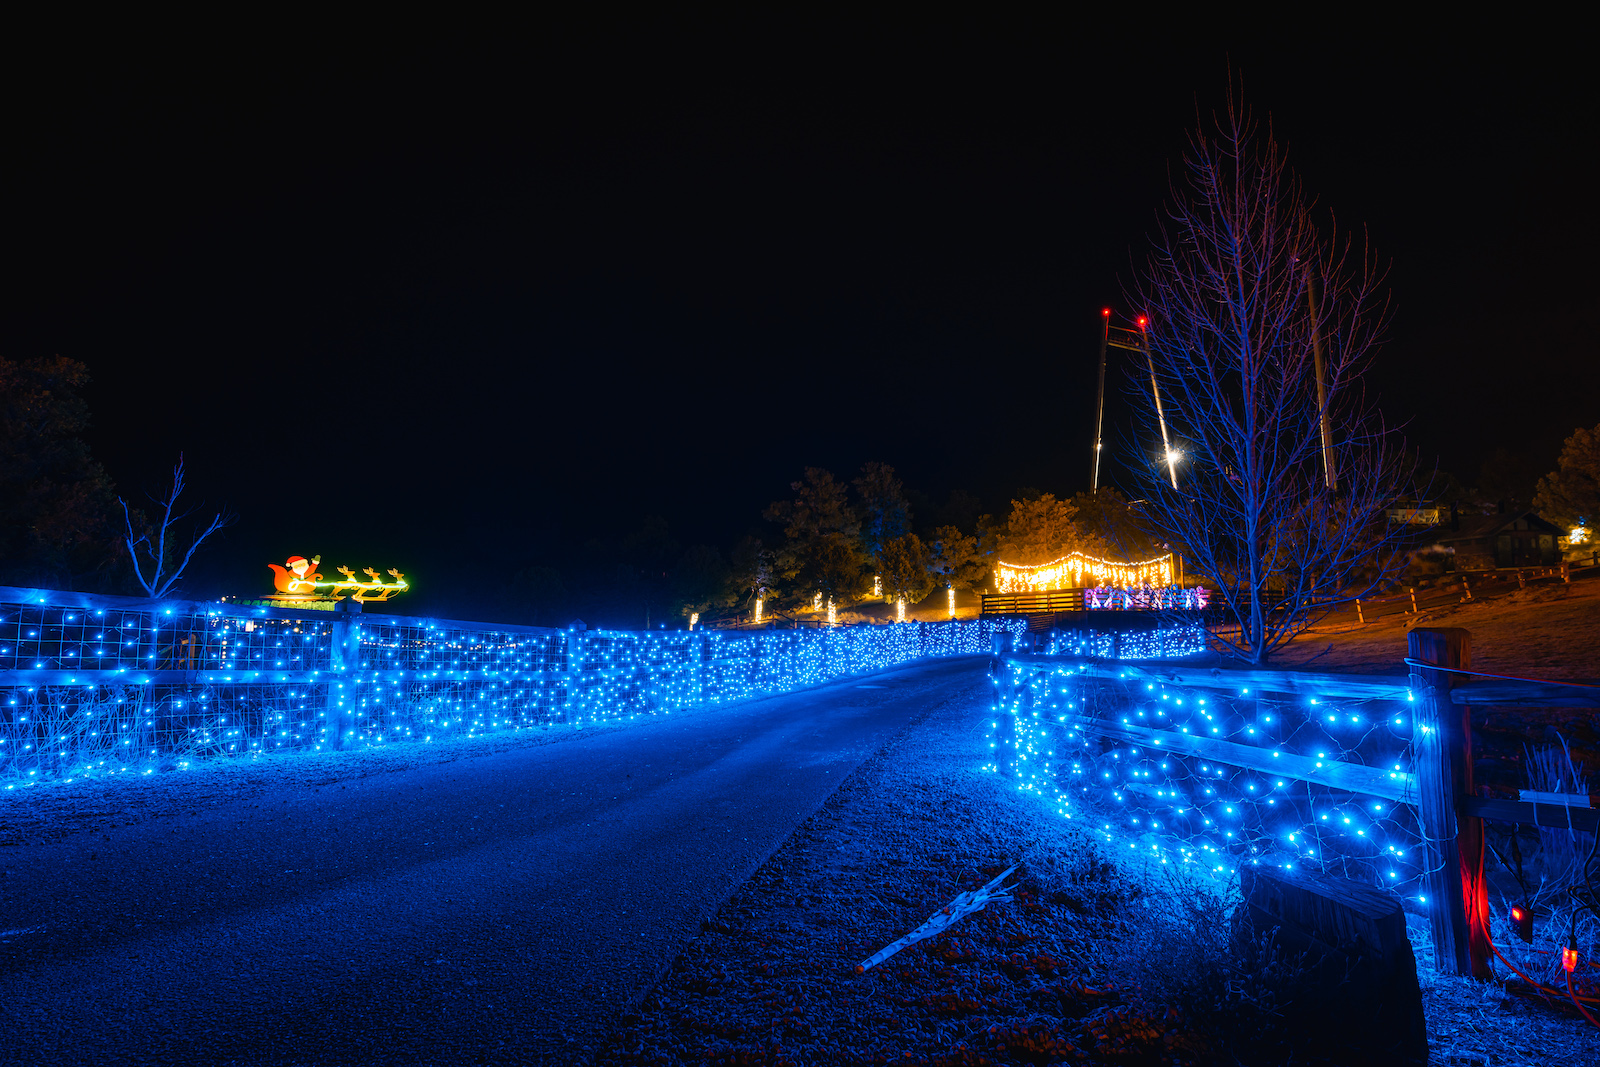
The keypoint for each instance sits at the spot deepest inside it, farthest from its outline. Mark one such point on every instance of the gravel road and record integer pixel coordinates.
(493, 909)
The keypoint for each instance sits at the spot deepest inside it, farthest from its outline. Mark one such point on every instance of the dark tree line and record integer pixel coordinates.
(59, 520)
(62, 523)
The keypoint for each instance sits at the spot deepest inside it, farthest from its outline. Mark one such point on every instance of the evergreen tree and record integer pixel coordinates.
(1570, 494)
(58, 517)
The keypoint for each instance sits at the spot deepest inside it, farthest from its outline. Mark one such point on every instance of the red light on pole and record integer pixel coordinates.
(1106, 312)
(1141, 322)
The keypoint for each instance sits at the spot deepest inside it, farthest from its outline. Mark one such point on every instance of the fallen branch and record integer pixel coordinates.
(963, 904)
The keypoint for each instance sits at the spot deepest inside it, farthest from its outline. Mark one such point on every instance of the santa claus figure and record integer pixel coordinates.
(297, 575)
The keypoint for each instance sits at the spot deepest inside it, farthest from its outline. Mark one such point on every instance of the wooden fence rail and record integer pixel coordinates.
(1440, 689)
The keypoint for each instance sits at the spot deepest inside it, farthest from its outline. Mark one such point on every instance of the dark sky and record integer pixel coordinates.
(448, 306)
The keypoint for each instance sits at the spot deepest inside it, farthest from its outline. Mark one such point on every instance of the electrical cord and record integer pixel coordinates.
(1534, 982)
(1572, 940)
(1579, 1006)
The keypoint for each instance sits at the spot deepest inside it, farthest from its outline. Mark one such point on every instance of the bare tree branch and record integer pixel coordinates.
(1283, 485)
(163, 575)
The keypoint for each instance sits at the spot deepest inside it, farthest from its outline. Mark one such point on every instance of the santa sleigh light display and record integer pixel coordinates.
(299, 582)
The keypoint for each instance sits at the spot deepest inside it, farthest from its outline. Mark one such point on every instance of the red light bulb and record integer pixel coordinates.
(1522, 922)
(1106, 312)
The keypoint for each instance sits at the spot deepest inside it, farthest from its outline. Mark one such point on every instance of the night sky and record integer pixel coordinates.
(449, 307)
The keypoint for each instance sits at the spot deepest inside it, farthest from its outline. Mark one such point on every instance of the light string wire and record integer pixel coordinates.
(1423, 665)
(1069, 571)
(1202, 811)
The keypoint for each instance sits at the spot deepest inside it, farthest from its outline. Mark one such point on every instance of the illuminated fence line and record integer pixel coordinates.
(1147, 598)
(1367, 777)
(1217, 768)
(1073, 570)
(1171, 638)
(92, 684)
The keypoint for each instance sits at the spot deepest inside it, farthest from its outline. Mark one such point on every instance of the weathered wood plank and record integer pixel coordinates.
(1348, 686)
(1506, 691)
(1367, 1005)
(1392, 785)
(1526, 812)
(1458, 895)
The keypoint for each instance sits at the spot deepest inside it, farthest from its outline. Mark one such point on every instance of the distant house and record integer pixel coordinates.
(1414, 513)
(1513, 539)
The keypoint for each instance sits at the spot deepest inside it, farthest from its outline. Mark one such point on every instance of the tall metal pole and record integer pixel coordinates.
(1100, 403)
(1155, 391)
(1322, 389)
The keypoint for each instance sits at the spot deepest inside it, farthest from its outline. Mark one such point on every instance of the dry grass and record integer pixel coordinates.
(1549, 629)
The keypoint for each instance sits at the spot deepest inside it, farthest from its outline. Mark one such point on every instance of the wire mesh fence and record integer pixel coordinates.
(1215, 775)
(112, 685)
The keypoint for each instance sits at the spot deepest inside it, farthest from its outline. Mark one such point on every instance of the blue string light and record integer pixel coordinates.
(255, 682)
(1107, 749)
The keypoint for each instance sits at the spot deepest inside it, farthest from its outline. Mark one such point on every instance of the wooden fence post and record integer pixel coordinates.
(574, 673)
(1458, 897)
(702, 665)
(345, 655)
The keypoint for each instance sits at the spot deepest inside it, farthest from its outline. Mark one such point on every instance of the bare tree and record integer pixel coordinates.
(1261, 327)
(150, 548)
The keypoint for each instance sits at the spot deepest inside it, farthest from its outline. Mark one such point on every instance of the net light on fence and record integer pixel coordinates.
(403, 680)
(1155, 786)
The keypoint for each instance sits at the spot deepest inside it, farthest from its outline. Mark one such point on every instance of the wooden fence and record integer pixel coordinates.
(1440, 689)
(1045, 602)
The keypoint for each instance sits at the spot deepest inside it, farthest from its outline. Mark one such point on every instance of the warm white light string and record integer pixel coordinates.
(1070, 572)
